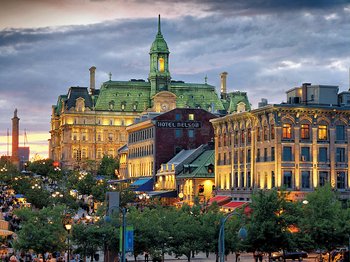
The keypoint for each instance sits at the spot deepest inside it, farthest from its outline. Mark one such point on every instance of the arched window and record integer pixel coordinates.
(161, 64)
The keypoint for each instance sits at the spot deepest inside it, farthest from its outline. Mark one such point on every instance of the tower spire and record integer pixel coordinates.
(159, 31)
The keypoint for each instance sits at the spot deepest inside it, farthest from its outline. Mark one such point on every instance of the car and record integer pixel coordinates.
(294, 255)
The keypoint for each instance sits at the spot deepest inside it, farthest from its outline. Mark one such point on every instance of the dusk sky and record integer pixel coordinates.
(267, 47)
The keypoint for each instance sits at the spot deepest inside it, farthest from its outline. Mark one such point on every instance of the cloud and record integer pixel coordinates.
(264, 54)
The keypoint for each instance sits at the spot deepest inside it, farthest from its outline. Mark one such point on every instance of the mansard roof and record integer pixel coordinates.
(199, 167)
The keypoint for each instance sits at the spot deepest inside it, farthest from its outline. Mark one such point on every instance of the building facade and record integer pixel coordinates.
(87, 123)
(158, 138)
(298, 145)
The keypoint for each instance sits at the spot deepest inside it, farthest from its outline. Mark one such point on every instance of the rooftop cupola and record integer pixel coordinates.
(159, 75)
(159, 44)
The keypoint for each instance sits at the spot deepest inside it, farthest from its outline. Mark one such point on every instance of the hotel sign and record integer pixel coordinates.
(178, 124)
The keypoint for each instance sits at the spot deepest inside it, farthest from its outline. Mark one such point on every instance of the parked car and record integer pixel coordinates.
(294, 255)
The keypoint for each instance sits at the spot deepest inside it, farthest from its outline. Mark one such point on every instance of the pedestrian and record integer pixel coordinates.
(146, 257)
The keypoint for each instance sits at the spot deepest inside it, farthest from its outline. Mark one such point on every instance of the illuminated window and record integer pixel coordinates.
(305, 131)
(191, 117)
(287, 131)
(161, 64)
(322, 132)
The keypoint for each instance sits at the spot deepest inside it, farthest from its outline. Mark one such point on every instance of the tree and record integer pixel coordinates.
(269, 221)
(108, 166)
(41, 230)
(324, 220)
(41, 167)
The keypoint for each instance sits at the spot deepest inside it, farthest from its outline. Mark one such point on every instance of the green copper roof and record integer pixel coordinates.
(199, 167)
(129, 96)
(234, 98)
(159, 45)
(196, 96)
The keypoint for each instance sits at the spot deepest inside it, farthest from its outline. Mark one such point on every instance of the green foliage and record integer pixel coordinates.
(38, 197)
(324, 221)
(89, 238)
(41, 167)
(99, 190)
(108, 166)
(41, 231)
(269, 222)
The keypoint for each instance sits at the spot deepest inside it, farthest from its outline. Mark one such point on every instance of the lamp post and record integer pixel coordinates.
(68, 228)
(242, 233)
(107, 218)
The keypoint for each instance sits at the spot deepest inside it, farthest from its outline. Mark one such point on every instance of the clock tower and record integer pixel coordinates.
(159, 75)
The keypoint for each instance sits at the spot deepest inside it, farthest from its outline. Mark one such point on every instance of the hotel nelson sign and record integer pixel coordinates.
(178, 124)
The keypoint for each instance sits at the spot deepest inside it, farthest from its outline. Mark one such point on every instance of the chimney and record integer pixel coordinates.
(15, 138)
(304, 92)
(92, 80)
(223, 76)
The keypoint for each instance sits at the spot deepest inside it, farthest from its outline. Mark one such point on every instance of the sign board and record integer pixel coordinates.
(129, 239)
(178, 124)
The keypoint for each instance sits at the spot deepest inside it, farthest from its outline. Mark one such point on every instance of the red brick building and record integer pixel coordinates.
(156, 138)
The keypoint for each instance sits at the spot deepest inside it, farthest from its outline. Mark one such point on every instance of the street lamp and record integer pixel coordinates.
(68, 227)
(107, 219)
(242, 233)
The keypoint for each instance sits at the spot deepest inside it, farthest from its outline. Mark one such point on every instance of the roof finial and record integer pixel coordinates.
(110, 76)
(159, 32)
(206, 79)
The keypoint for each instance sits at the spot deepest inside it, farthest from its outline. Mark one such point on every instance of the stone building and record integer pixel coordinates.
(298, 145)
(87, 123)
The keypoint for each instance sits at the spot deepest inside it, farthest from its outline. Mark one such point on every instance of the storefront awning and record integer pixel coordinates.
(5, 233)
(220, 200)
(171, 193)
(236, 204)
(142, 184)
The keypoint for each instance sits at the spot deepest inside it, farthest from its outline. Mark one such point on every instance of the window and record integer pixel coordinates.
(248, 156)
(287, 131)
(242, 137)
(305, 154)
(242, 179)
(323, 177)
(322, 132)
(273, 179)
(258, 155)
(341, 180)
(236, 137)
(178, 133)
(236, 180)
(249, 135)
(305, 179)
(161, 64)
(236, 157)
(178, 117)
(287, 179)
(322, 154)
(265, 154)
(340, 157)
(258, 135)
(191, 133)
(287, 153)
(305, 131)
(266, 134)
(191, 117)
(272, 154)
(340, 132)
(272, 131)
(99, 137)
(110, 137)
(249, 179)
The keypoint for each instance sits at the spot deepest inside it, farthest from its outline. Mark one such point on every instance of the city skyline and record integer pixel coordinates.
(266, 48)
